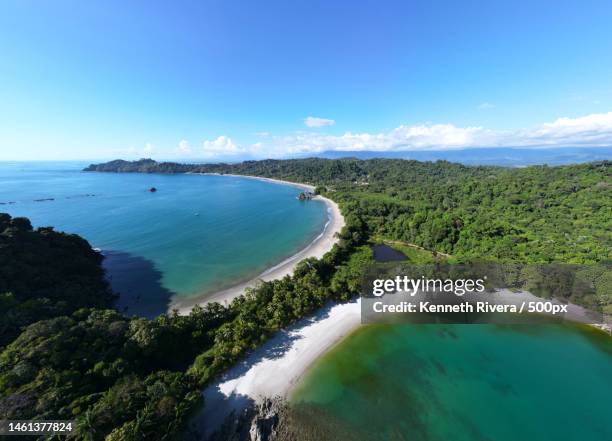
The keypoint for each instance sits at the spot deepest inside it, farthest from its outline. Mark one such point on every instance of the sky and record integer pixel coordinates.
(205, 80)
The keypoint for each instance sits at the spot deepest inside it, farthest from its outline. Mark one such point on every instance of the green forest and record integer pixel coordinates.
(66, 354)
(44, 274)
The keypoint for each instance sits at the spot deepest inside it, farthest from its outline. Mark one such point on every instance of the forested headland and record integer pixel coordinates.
(67, 355)
(44, 274)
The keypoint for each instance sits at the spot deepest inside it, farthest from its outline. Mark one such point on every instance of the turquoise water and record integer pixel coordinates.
(196, 234)
(466, 382)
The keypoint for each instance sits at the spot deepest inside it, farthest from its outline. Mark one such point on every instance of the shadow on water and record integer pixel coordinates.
(138, 284)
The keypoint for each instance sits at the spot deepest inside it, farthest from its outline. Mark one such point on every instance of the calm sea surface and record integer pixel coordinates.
(465, 382)
(196, 234)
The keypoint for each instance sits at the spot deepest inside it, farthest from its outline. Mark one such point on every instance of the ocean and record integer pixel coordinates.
(195, 235)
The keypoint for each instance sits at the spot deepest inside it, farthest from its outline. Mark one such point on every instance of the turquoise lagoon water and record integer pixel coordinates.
(196, 234)
(465, 383)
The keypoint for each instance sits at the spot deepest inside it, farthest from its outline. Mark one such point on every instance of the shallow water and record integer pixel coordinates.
(196, 234)
(466, 382)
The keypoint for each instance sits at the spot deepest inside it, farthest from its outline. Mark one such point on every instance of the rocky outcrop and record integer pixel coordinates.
(257, 423)
(263, 424)
(305, 195)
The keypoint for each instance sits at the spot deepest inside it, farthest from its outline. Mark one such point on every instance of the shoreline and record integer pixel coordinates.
(261, 178)
(276, 367)
(320, 245)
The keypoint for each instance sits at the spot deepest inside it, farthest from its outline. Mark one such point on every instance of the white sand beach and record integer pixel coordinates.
(275, 367)
(317, 248)
(272, 369)
(259, 178)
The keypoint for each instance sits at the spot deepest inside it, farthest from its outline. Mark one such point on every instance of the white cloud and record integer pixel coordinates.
(418, 137)
(184, 147)
(594, 129)
(591, 130)
(315, 122)
(486, 105)
(222, 146)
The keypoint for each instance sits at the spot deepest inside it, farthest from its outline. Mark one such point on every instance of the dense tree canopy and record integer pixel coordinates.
(120, 378)
(45, 273)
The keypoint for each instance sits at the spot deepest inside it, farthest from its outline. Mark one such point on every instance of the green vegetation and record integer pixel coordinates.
(127, 378)
(44, 274)
(108, 372)
(68, 357)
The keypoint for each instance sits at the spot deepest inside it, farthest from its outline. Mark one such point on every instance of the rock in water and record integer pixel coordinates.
(152, 189)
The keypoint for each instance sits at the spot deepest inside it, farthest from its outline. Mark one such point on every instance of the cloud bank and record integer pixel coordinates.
(593, 130)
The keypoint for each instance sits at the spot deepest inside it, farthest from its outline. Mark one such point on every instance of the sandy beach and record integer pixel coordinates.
(317, 248)
(275, 367)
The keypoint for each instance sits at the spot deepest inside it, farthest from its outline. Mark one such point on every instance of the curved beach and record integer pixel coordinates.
(274, 368)
(317, 248)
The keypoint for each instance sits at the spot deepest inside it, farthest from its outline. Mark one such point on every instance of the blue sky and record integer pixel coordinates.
(217, 79)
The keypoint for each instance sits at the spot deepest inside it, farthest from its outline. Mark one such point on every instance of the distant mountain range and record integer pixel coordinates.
(509, 157)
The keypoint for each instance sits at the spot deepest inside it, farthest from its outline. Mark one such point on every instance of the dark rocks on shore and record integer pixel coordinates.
(276, 420)
(305, 196)
(258, 422)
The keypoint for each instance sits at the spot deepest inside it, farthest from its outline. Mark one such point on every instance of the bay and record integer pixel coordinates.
(195, 235)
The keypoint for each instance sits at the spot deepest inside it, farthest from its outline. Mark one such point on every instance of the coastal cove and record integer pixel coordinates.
(196, 236)
(306, 221)
(273, 341)
(321, 244)
(329, 358)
